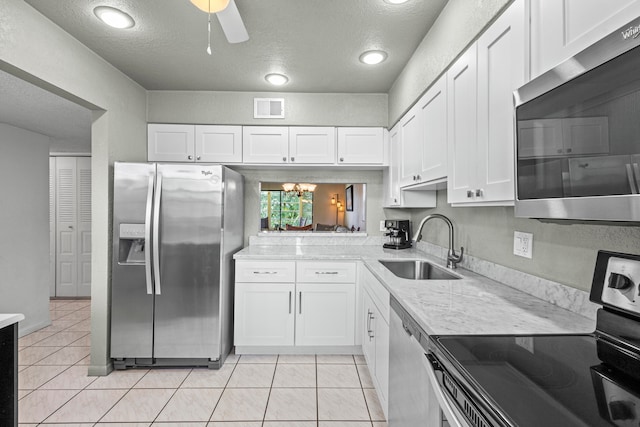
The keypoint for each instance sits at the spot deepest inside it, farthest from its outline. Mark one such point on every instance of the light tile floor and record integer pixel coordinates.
(248, 391)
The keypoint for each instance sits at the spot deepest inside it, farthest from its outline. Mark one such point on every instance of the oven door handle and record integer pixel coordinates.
(449, 409)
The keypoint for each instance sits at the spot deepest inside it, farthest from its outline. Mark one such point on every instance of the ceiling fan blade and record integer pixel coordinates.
(232, 25)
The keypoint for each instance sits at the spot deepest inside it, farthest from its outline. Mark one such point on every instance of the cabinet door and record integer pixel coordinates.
(170, 143)
(218, 144)
(381, 337)
(361, 145)
(314, 145)
(369, 315)
(562, 28)
(391, 176)
(462, 127)
(501, 70)
(265, 144)
(433, 111)
(66, 223)
(325, 314)
(410, 161)
(264, 314)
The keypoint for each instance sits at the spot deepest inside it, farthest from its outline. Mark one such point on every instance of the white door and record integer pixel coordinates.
(264, 314)
(83, 190)
(325, 314)
(501, 70)
(369, 315)
(316, 145)
(66, 227)
(562, 28)
(411, 137)
(265, 144)
(462, 127)
(433, 113)
(360, 145)
(218, 144)
(52, 226)
(170, 143)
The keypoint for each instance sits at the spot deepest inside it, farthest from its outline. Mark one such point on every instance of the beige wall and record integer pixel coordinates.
(236, 108)
(35, 49)
(24, 218)
(459, 24)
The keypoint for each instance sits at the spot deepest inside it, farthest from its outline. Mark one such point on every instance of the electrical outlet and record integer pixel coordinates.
(522, 244)
(382, 227)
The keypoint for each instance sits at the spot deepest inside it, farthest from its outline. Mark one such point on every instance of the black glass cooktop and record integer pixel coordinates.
(545, 380)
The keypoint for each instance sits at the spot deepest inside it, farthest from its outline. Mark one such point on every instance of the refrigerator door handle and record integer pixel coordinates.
(156, 232)
(147, 237)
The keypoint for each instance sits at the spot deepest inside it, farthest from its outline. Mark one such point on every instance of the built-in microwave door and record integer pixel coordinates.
(601, 176)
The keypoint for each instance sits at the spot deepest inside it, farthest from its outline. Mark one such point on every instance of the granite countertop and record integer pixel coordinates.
(473, 304)
(10, 319)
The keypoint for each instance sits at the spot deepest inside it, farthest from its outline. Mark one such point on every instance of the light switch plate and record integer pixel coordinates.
(523, 244)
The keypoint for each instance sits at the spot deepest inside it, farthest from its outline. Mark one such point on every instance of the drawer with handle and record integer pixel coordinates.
(326, 272)
(266, 271)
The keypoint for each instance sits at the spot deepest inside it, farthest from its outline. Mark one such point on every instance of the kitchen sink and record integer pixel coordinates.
(417, 270)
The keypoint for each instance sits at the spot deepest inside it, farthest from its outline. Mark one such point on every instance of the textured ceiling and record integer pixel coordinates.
(28, 107)
(315, 42)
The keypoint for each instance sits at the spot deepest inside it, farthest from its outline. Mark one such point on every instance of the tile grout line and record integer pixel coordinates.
(315, 358)
(364, 396)
(169, 400)
(275, 369)
(224, 388)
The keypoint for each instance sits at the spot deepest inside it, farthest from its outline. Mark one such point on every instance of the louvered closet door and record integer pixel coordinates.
(66, 219)
(52, 226)
(83, 168)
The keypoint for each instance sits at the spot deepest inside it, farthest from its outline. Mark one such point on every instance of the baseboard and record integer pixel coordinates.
(32, 328)
(254, 349)
(100, 370)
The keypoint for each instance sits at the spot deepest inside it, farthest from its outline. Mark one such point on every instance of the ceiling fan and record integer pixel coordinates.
(229, 18)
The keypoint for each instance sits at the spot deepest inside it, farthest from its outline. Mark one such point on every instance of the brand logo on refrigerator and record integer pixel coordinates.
(206, 173)
(631, 32)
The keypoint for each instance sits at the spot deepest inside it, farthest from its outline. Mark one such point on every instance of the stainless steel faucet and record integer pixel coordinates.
(452, 258)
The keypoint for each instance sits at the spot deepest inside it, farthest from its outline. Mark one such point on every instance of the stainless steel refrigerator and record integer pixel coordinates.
(175, 230)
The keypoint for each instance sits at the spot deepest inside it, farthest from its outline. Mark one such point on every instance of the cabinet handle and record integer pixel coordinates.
(198, 158)
(342, 159)
(265, 272)
(284, 159)
(326, 272)
(395, 200)
(290, 301)
(470, 194)
(300, 303)
(479, 192)
(418, 177)
(559, 151)
(293, 159)
(413, 177)
(569, 150)
(190, 157)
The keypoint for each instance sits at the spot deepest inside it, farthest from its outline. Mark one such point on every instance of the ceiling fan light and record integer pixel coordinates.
(216, 5)
(114, 17)
(276, 79)
(373, 57)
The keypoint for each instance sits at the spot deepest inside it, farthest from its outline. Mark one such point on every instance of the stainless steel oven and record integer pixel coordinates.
(550, 380)
(578, 135)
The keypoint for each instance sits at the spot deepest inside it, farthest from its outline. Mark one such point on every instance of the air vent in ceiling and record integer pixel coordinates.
(268, 108)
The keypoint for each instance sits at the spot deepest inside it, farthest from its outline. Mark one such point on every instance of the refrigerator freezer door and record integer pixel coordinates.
(131, 304)
(187, 310)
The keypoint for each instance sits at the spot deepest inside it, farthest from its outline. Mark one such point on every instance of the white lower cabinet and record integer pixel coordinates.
(375, 339)
(273, 309)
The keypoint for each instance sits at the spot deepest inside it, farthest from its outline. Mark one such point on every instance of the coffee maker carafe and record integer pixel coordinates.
(398, 234)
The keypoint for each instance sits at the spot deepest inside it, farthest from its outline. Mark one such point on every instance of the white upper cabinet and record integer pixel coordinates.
(265, 144)
(562, 28)
(170, 143)
(424, 137)
(481, 112)
(194, 143)
(312, 145)
(219, 144)
(390, 175)
(361, 145)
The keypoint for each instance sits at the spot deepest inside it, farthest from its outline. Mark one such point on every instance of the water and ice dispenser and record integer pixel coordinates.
(132, 244)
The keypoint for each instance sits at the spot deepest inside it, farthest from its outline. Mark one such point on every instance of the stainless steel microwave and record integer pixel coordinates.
(578, 135)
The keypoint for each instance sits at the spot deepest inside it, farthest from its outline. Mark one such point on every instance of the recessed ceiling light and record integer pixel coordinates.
(373, 57)
(114, 17)
(396, 1)
(276, 79)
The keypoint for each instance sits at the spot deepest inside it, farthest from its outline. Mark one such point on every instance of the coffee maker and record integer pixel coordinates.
(398, 233)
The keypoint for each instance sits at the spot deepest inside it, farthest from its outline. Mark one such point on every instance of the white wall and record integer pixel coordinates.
(35, 49)
(24, 218)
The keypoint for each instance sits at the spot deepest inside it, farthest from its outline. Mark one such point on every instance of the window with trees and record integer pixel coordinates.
(280, 208)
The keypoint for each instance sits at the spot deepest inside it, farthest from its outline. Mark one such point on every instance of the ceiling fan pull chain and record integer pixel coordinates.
(209, 30)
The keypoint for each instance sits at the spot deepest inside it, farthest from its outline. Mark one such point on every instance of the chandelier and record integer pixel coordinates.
(298, 188)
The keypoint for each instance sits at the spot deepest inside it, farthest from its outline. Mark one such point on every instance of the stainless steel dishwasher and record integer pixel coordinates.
(412, 402)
